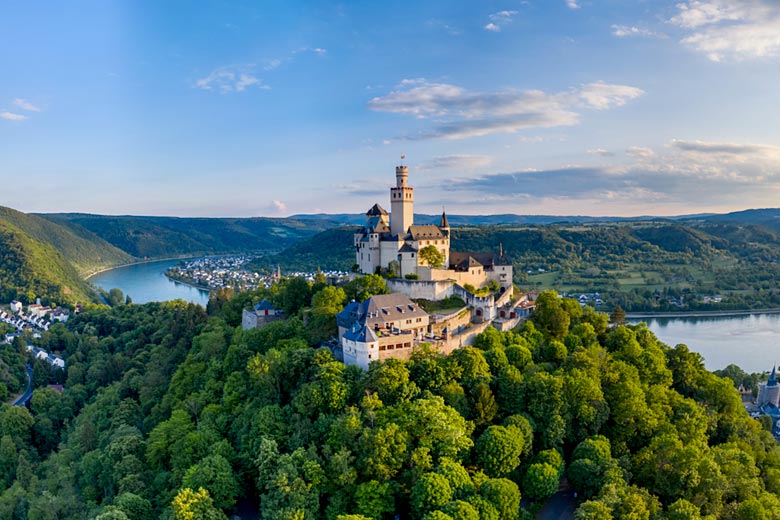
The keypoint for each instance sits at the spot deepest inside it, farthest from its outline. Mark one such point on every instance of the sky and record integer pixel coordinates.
(272, 108)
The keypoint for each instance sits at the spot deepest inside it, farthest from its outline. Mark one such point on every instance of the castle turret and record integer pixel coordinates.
(401, 203)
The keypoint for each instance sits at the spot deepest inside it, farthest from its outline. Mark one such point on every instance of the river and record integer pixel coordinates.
(146, 282)
(750, 341)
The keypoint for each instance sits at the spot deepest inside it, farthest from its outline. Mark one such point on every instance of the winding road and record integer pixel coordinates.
(22, 400)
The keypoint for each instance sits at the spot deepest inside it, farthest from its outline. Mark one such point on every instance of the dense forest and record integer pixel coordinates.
(168, 412)
(30, 268)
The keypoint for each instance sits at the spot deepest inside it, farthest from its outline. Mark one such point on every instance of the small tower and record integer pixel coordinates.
(401, 203)
(769, 392)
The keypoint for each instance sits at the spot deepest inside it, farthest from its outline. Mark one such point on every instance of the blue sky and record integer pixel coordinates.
(219, 108)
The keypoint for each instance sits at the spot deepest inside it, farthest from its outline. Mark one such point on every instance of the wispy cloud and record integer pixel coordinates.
(234, 78)
(457, 162)
(731, 29)
(693, 174)
(499, 20)
(573, 4)
(447, 27)
(275, 63)
(10, 116)
(460, 113)
(639, 151)
(624, 31)
(26, 105)
(600, 151)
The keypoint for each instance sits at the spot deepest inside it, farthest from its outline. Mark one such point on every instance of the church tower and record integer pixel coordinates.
(401, 203)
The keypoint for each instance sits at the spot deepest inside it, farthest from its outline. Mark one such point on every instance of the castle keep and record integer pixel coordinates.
(392, 242)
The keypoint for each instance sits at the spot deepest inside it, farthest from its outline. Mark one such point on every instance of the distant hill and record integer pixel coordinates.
(158, 237)
(330, 249)
(493, 220)
(31, 268)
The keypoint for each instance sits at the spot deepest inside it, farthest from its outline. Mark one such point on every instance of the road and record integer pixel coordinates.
(561, 505)
(22, 401)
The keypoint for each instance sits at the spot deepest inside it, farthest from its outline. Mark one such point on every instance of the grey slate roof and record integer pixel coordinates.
(379, 310)
(361, 333)
(264, 305)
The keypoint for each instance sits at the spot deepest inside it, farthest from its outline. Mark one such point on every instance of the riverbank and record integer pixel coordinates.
(187, 283)
(699, 314)
(139, 262)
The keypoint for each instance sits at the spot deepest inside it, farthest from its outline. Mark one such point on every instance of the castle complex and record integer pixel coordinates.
(392, 243)
(391, 325)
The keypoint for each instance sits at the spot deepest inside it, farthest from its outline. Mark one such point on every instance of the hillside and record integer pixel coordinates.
(30, 268)
(647, 266)
(85, 250)
(330, 249)
(159, 237)
(169, 413)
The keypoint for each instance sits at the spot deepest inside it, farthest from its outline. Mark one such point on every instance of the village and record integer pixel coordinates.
(33, 320)
(224, 272)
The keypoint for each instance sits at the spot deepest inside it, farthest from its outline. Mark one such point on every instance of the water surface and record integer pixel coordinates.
(750, 341)
(147, 283)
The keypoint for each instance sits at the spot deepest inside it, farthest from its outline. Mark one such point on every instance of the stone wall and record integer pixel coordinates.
(416, 289)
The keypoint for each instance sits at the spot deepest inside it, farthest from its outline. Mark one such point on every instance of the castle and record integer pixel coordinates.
(393, 243)
(391, 325)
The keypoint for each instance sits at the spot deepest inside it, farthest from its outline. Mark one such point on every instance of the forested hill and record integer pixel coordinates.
(157, 237)
(169, 414)
(83, 249)
(30, 268)
(643, 266)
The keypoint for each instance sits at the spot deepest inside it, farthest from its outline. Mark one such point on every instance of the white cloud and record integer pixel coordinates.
(461, 113)
(279, 206)
(10, 116)
(602, 95)
(499, 19)
(572, 4)
(639, 151)
(600, 151)
(231, 79)
(623, 31)
(26, 105)
(731, 29)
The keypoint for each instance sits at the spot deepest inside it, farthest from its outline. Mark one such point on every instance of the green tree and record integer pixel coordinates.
(374, 499)
(215, 475)
(498, 450)
(504, 495)
(431, 256)
(540, 481)
(617, 316)
(430, 492)
(195, 505)
(593, 510)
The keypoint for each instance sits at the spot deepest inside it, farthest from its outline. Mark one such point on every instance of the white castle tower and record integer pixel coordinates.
(401, 203)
